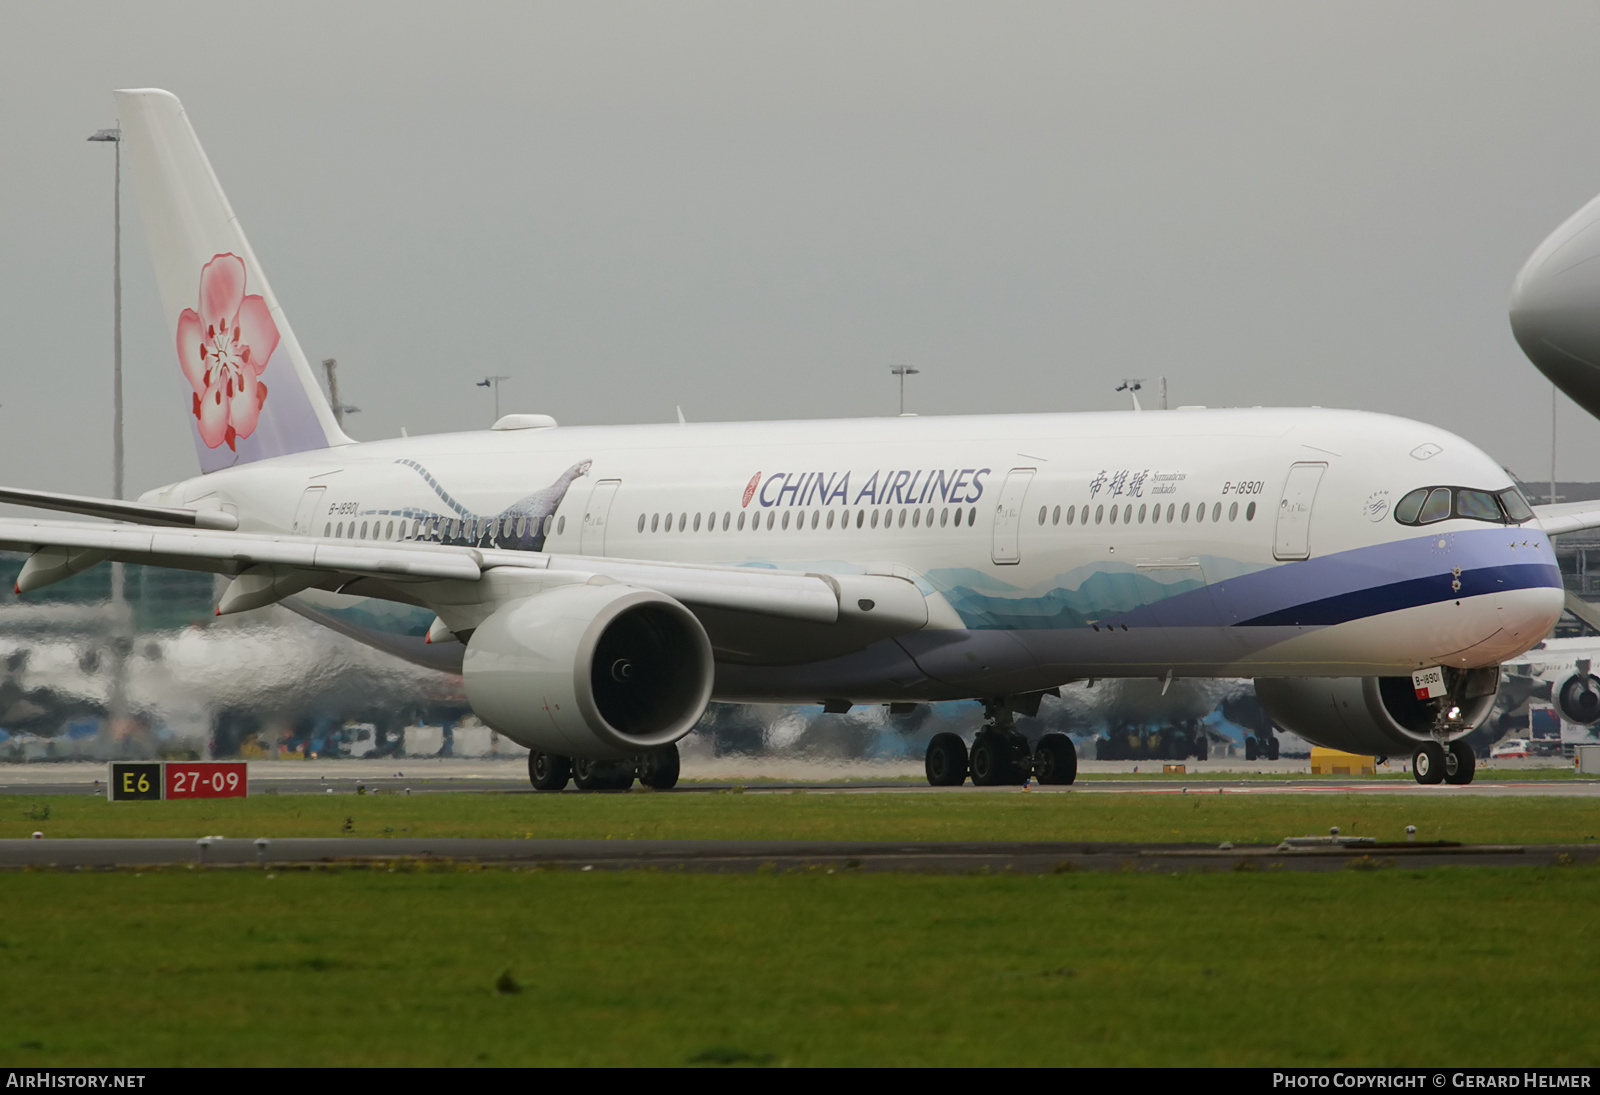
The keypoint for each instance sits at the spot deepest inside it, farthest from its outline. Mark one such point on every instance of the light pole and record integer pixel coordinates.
(903, 371)
(494, 382)
(1132, 386)
(329, 365)
(114, 137)
(122, 630)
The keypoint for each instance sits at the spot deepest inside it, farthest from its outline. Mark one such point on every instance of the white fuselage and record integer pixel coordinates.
(1049, 547)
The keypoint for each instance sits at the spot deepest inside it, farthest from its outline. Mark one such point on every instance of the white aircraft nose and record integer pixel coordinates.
(1555, 307)
(1521, 619)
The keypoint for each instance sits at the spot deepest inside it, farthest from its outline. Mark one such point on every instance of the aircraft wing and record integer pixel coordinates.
(1566, 517)
(118, 510)
(463, 584)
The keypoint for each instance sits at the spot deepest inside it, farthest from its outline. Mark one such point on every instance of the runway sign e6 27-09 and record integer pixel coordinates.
(179, 779)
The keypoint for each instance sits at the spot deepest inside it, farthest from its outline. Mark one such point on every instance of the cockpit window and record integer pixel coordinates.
(1437, 507)
(1406, 510)
(1426, 505)
(1478, 505)
(1516, 506)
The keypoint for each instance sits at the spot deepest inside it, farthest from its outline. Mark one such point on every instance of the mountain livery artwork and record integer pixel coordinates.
(598, 586)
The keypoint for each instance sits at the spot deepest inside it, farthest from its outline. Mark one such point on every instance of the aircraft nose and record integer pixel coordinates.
(1525, 617)
(1555, 307)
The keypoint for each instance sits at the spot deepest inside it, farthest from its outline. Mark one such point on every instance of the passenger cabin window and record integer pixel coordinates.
(1427, 505)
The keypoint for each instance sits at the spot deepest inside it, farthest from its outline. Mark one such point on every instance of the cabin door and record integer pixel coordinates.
(306, 512)
(1008, 516)
(592, 537)
(1294, 512)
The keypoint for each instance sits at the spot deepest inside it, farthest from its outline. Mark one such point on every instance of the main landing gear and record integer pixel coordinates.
(1263, 746)
(1000, 755)
(657, 769)
(1435, 763)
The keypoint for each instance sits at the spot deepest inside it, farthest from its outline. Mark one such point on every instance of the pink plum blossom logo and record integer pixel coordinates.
(223, 348)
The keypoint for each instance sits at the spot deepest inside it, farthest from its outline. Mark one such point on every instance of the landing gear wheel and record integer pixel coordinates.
(998, 761)
(1249, 748)
(988, 762)
(1427, 765)
(1272, 748)
(548, 772)
(660, 769)
(1055, 761)
(1459, 763)
(1202, 747)
(600, 775)
(991, 761)
(946, 762)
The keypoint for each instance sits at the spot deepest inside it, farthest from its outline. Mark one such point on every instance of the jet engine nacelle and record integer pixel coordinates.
(1579, 698)
(1380, 716)
(601, 671)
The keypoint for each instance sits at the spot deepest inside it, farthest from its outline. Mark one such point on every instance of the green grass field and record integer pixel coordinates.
(1455, 966)
(453, 964)
(1201, 818)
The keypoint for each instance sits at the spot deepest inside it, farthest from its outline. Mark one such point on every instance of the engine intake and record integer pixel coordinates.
(1376, 715)
(1579, 699)
(598, 671)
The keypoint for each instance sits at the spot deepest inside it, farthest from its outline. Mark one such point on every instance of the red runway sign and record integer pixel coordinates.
(200, 779)
(179, 779)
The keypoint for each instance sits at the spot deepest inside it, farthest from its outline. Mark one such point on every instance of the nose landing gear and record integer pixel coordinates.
(1435, 763)
(1459, 763)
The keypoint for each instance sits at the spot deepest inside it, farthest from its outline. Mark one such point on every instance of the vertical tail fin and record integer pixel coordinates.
(248, 390)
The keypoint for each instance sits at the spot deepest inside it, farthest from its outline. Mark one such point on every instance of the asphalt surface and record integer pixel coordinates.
(755, 776)
(758, 775)
(739, 856)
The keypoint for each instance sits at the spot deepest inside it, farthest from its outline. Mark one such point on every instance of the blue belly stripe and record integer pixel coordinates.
(1413, 593)
(1218, 592)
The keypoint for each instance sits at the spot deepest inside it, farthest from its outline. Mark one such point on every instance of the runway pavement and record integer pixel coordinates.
(738, 856)
(775, 775)
(764, 774)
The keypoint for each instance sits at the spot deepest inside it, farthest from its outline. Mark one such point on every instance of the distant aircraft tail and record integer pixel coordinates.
(248, 391)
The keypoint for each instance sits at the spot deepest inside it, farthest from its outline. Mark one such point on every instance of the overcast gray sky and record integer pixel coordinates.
(754, 210)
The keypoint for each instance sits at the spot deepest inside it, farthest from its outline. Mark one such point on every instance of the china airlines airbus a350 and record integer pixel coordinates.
(597, 586)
